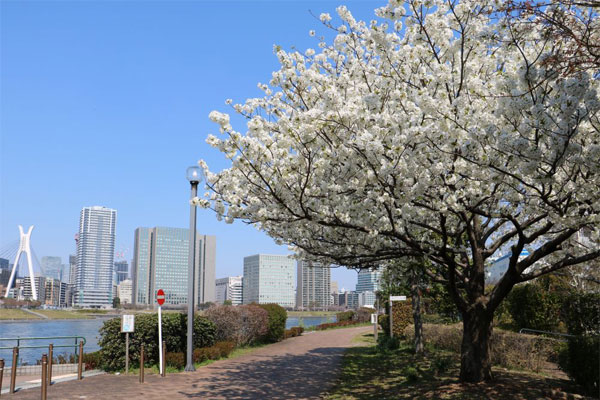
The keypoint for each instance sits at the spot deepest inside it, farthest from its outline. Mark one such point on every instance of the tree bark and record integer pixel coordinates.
(416, 309)
(475, 362)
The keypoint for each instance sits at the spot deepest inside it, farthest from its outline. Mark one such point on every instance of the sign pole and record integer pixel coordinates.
(126, 353)
(391, 318)
(160, 347)
(160, 299)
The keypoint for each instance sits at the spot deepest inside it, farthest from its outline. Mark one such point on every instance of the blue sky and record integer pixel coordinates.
(107, 103)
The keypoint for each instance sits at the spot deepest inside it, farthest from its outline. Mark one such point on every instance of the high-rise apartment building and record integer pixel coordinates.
(229, 288)
(121, 271)
(4, 263)
(369, 282)
(95, 257)
(52, 267)
(314, 286)
(269, 279)
(160, 261)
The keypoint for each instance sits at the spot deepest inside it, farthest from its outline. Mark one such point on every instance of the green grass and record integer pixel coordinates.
(310, 313)
(372, 372)
(62, 314)
(15, 313)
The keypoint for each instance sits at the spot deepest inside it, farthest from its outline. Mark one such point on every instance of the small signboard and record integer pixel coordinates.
(160, 297)
(397, 298)
(373, 318)
(127, 323)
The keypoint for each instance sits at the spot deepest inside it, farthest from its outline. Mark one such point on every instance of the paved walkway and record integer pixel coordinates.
(297, 368)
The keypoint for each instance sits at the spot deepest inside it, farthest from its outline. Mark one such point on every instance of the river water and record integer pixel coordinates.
(88, 328)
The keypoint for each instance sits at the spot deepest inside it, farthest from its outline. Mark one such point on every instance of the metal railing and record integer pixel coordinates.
(525, 330)
(18, 340)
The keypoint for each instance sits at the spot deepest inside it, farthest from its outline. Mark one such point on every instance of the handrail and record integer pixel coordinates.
(19, 339)
(544, 332)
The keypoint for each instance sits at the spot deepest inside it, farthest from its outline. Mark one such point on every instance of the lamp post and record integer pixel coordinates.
(194, 175)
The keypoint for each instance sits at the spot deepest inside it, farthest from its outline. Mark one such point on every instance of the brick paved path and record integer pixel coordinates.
(296, 368)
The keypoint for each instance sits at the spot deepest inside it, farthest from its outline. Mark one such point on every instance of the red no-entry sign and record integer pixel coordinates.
(160, 297)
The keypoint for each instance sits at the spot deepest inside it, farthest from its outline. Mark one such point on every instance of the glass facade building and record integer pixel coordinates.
(269, 279)
(160, 261)
(95, 257)
(121, 271)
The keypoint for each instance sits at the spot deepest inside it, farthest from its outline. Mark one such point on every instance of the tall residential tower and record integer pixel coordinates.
(95, 255)
(314, 286)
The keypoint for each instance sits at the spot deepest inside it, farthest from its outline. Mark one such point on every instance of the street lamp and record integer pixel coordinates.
(194, 175)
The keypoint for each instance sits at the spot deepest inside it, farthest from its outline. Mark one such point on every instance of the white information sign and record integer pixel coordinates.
(127, 323)
(373, 318)
(397, 298)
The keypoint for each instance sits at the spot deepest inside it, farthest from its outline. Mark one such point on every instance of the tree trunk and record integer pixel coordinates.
(475, 359)
(416, 308)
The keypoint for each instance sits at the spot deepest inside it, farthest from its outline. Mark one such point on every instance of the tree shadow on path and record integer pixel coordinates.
(276, 377)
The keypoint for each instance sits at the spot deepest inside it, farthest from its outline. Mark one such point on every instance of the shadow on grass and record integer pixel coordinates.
(370, 373)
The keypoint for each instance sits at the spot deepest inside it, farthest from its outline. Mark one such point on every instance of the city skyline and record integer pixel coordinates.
(99, 122)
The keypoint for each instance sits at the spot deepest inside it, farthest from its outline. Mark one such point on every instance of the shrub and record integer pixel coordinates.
(176, 360)
(293, 332)
(241, 324)
(330, 325)
(580, 360)
(277, 317)
(581, 313)
(441, 364)
(402, 316)
(363, 314)
(384, 323)
(174, 326)
(344, 316)
(92, 360)
(411, 373)
(508, 349)
(225, 348)
(200, 355)
(537, 305)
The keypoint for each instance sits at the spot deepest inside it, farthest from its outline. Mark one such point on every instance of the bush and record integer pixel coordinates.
(277, 317)
(537, 305)
(344, 316)
(402, 316)
(174, 327)
(225, 348)
(240, 324)
(580, 360)
(581, 313)
(176, 360)
(384, 322)
(508, 349)
(330, 325)
(92, 360)
(363, 314)
(293, 332)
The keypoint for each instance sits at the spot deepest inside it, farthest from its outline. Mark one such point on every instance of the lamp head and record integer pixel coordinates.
(194, 174)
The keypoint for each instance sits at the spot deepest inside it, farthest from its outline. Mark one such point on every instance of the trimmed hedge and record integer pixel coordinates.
(219, 350)
(293, 332)
(176, 360)
(330, 325)
(580, 359)
(402, 318)
(174, 326)
(277, 317)
(344, 316)
(508, 349)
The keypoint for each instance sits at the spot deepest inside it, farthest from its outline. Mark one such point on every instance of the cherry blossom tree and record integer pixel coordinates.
(437, 130)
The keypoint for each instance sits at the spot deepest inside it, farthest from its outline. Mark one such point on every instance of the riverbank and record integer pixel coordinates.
(300, 367)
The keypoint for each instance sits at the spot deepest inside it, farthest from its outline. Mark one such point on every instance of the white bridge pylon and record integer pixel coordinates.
(23, 248)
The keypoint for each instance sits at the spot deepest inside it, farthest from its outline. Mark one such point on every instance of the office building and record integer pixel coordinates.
(269, 279)
(368, 280)
(314, 286)
(160, 261)
(95, 257)
(52, 267)
(229, 288)
(124, 291)
(4, 263)
(349, 300)
(121, 271)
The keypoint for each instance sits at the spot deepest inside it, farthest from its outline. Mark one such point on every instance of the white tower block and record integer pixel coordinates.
(23, 248)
